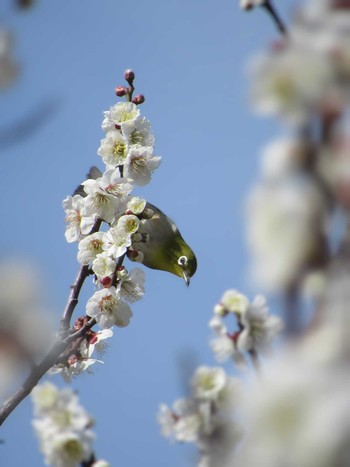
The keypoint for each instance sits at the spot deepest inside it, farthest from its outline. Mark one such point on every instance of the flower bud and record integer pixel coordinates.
(129, 76)
(148, 213)
(106, 282)
(139, 99)
(121, 91)
(135, 255)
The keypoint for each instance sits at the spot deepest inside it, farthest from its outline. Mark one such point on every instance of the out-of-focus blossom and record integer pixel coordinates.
(62, 426)
(231, 302)
(296, 407)
(286, 223)
(204, 417)
(290, 82)
(25, 327)
(256, 328)
(259, 327)
(283, 158)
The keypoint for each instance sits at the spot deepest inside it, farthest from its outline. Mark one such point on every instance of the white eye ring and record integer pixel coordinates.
(182, 261)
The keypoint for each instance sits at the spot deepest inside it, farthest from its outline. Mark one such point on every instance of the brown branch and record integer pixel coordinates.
(59, 347)
(83, 273)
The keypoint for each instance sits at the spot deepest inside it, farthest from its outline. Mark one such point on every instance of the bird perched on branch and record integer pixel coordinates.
(162, 245)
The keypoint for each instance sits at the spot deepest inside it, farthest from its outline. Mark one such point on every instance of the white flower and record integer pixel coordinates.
(103, 265)
(295, 408)
(232, 301)
(116, 242)
(281, 217)
(182, 422)
(96, 342)
(131, 285)
(78, 224)
(89, 247)
(128, 224)
(45, 398)
(289, 81)
(67, 449)
(259, 327)
(208, 383)
(138, 132)
(119, 114)
(58, 410)
(99, 203)
(283, 157)
(108, 309)
(136, 205)
(113, 183)
(224, 345)
(113, 149)
(140, 164)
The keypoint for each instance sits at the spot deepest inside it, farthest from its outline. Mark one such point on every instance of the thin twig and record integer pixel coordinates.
(72, 302)
(271, 10)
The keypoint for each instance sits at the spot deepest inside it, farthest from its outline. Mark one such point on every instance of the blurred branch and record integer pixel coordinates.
(29, 124)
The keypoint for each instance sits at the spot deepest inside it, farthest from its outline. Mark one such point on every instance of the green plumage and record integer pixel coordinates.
(163, 247)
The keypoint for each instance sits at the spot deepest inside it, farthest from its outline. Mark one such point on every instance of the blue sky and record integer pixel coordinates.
(190, 60)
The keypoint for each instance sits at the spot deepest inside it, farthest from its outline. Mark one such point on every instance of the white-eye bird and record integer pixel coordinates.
(162, 245)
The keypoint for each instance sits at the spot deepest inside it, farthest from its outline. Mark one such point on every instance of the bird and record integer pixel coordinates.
(162, 246)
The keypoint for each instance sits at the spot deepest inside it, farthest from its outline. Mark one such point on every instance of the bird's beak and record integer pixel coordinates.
(186, 277)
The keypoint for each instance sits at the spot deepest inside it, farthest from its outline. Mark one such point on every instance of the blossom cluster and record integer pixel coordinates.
(205, 418)
(303, 79)
(63, 427)
(25, 326)
(127, 152)
(256, 327)
(105, 199)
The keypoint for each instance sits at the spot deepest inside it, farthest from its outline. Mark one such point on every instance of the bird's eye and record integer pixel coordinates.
(182, 261)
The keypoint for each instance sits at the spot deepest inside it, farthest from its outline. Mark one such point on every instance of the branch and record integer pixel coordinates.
(76, 287)
(271, 10)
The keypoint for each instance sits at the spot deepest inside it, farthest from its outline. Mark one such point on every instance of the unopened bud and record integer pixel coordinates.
(129, 76)
(148, 213)
(135, 255)
(106, 282)
(136, 237)
(121, 91)
(139, 99)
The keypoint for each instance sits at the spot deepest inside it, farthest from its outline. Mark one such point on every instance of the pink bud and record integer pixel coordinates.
(129, 76)
(140, 99)
(121, 91)
(106, 282)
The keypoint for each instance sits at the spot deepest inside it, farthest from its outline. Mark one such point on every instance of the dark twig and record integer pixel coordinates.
(72, 302)
(271, 10)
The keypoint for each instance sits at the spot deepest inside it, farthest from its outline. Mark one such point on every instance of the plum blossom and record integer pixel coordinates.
(108, 309)
(118, 115)
(140, 164)
(62, 426)
(78, 223)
